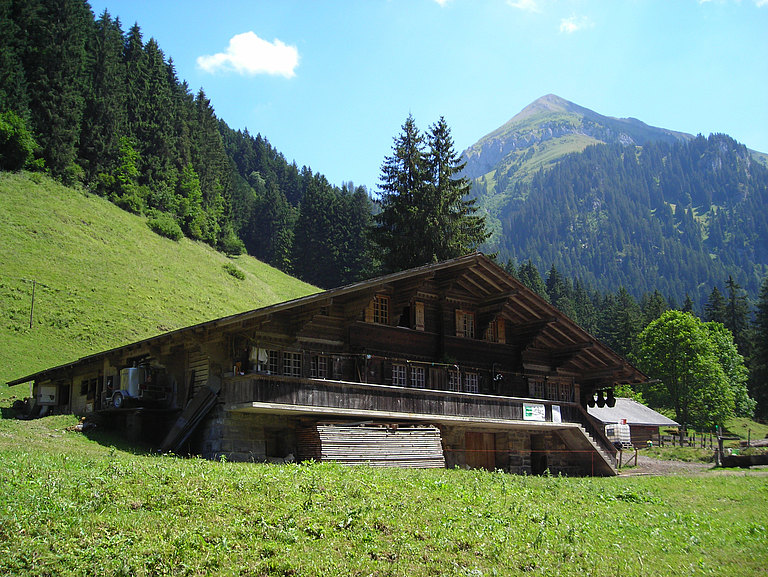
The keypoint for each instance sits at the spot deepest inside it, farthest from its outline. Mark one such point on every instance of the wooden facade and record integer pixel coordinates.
(460, 347)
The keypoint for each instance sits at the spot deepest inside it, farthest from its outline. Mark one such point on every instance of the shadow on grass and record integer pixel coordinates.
(8, 413)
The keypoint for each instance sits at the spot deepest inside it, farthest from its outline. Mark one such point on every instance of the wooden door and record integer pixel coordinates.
(481, 450)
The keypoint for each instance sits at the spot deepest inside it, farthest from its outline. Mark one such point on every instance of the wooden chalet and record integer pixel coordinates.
(450, 364)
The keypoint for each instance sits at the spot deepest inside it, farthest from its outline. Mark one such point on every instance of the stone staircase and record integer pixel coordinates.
(579, 439)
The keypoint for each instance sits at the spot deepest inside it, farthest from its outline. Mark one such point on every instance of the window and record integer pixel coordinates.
(565, 392)
(399, 375)
(537, 390)
(292, 364)
(319, 367)
(465, 324)
(470, 383)
(381, 309)
(274, 363)
(418, 377)
(495, 332)
(551, 391)
(454, 381)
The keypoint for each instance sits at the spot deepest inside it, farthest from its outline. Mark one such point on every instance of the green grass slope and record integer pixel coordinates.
(104, 279)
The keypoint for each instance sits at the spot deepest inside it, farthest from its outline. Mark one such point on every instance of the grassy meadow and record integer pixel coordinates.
(81, 504)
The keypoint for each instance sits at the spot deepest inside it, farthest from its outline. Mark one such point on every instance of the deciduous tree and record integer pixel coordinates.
(676, 349)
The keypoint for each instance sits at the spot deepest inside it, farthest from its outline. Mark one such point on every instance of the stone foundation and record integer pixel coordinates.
(247, 437)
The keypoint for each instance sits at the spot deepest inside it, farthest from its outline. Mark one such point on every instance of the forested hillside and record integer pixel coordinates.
(94, 105)
(674, 217)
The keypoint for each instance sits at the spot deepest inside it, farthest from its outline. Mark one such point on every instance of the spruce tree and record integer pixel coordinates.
(104, 120)
(451, 225)
(424, 216)
(715, 309)
(55, 61)
(758, 382)
(404, 178)
(737, 315)
(529, 275)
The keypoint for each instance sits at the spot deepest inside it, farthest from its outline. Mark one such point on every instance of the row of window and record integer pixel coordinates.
(289, 364)
(418, 378)
(404, 375)
(552, 390)
(379, 312)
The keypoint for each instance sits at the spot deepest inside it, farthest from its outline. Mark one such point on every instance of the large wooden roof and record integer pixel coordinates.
(543, 334)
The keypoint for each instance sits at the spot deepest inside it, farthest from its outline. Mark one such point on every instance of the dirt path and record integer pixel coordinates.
(651, 466)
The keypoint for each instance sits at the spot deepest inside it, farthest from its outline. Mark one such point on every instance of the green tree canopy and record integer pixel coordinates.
(733, 366)
(678, 351)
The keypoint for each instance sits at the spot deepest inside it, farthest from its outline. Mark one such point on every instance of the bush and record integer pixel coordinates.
(16, 142)
(165, 225)
(229, 243)
(234, 271)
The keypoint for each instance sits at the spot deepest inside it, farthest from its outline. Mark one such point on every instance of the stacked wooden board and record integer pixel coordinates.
(374, 445)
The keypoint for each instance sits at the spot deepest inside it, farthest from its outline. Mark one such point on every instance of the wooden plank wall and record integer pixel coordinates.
(198, 371)
(377, 446)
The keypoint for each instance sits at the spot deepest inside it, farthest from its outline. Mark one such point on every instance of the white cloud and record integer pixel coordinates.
(442, 2)
(760, 3)
(527, 5)
(247, 54)
(574, 24)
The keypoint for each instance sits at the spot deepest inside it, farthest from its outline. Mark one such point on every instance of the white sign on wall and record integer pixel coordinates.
(556, 417)
(534, 412)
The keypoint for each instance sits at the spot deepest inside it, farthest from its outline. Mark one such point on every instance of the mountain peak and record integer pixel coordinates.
(548, 103)
(549, 128)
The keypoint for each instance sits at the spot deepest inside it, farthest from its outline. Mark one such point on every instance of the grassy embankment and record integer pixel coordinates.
(73, 504)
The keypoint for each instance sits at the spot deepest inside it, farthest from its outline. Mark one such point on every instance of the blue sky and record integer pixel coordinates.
(330, 83)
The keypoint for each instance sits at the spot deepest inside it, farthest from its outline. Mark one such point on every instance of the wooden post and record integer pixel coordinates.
(32, 309)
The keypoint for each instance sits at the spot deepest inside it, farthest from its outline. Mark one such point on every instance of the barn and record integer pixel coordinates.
(450, 364)
(643, 422)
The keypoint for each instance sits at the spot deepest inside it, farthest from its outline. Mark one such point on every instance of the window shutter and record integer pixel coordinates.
(369, 312)
(500, 327)
(418, 308)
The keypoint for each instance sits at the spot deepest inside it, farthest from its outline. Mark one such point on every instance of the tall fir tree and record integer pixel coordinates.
(452, 227)
(758, 382)
(104, 120)
(715, 309)
(424, 216)
(529, 275)
(404, 176)
(13, 77)
(55, 61)
(737, 315)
